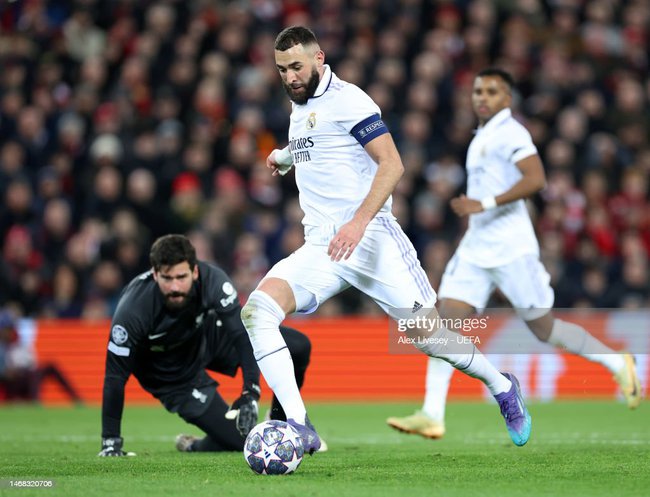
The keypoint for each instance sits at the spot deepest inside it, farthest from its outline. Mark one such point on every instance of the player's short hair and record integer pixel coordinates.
(505, 76)
(169, 250)
(294, 35)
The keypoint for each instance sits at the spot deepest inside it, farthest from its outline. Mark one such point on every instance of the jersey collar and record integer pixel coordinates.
(497, 120)
(324, 82)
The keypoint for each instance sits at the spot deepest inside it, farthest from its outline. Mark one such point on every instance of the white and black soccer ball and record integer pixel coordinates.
(273, 448)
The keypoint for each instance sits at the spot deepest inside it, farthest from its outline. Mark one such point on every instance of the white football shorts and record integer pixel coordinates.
(524, 282)
(384, 266)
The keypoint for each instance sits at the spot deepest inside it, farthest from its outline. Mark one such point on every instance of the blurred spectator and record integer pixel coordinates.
(19, 205)
(65, 299)
(21, 271)
(186, 202)
(82, 38)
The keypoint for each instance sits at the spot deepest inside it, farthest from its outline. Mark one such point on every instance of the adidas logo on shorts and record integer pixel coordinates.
(416, 307)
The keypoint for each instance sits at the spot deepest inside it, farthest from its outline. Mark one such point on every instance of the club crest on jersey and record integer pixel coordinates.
(119, 334)
(311, 121)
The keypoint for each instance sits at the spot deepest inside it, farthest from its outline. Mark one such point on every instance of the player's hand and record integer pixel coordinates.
(464, 206)
(112, 447)
(346, 240)
(245, 411)
(280, 162)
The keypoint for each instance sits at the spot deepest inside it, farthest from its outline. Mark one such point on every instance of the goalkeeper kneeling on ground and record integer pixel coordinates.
(172, 324)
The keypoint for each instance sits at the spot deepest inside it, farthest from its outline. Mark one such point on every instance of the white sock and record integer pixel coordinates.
(465, 357)
(278, 372)
(437, 385)
(576, 339)
(262, 317)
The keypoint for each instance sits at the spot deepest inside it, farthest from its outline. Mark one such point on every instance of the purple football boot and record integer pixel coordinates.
(310, 439)
(514, 412)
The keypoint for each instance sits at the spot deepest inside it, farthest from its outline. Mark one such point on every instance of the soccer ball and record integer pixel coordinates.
(273, 448)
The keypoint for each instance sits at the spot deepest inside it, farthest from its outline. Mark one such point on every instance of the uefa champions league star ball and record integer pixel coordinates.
(273, 448)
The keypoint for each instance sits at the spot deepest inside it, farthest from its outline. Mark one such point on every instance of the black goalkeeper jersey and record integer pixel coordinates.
(168, 349)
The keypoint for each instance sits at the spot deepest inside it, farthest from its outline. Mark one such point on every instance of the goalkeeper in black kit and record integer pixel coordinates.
(172, 324)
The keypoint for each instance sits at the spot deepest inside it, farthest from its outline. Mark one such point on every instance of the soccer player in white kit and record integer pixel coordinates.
(346, 167)
(500, 250)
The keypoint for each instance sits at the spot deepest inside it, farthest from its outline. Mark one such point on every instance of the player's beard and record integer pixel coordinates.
(310, 89)
(176, 304)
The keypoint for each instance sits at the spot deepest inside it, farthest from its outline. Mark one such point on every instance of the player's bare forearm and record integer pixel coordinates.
(532, 181)
(389, 171)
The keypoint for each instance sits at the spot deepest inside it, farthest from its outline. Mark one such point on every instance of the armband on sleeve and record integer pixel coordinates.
(369, 129)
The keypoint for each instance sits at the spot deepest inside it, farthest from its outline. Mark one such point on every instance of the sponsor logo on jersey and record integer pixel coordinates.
(119, 334)
(227, 288)
(311, 121)
(300, 143)
(225, 302)
(201, 397)
(157, 335)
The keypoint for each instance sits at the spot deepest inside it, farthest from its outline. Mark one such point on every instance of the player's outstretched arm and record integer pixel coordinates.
(112, 406)
(389, 171)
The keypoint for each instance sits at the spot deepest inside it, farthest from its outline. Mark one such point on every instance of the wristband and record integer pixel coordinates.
(489, 203)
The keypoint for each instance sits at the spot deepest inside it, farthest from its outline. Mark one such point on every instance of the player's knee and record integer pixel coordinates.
(261, 311)
(249, 312)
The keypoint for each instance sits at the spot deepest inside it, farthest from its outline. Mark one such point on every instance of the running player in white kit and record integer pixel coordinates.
(500, 250)
(346, 167)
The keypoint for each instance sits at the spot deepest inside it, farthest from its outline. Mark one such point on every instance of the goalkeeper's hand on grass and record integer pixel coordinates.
(112, 447)
(245, 410)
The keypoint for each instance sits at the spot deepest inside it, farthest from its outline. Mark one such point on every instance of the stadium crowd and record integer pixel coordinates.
(123, 120)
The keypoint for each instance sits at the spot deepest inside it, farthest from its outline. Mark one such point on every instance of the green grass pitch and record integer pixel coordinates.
(585, 448)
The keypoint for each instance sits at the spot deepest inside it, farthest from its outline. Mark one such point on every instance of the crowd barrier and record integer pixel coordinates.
(353, 361)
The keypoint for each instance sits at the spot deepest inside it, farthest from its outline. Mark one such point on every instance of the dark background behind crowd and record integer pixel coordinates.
(122, 120)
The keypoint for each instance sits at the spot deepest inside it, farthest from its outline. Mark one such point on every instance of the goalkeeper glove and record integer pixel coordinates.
(245, 410)
(112, 447)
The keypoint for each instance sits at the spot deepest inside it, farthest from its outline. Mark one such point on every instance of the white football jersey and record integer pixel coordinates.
(500, 235)
(333, 171)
